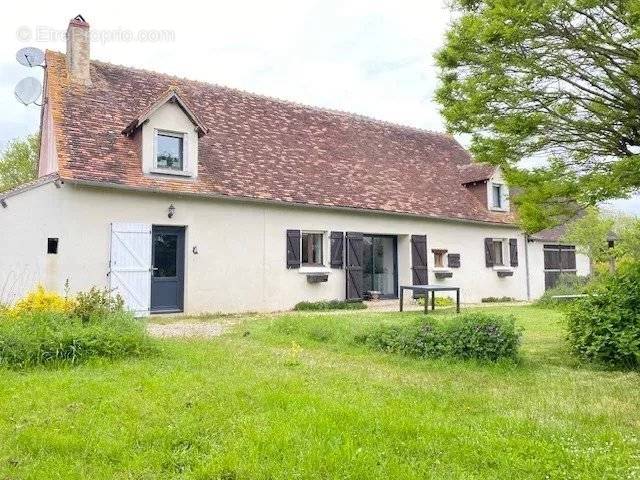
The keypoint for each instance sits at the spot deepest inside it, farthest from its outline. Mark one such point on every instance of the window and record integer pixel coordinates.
(170, 151)
(498, 253)
(496, 192)
(165, 255)
(311, 249)
(558, 260)
(438, 258)
(52, 246)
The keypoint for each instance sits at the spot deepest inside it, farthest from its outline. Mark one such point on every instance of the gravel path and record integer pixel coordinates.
(183, 329)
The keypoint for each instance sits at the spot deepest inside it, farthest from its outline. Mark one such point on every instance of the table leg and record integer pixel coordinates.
(458, 301)
(433, 301)
(401, 297)
(426, 302)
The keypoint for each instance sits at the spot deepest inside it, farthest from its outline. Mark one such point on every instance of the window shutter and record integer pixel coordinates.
(488, 252)
(354, 265)
(513, 251)
(567, 258)
(453, 260)
(130, 265)
(337, 249)
(419, 259)
(293, 248)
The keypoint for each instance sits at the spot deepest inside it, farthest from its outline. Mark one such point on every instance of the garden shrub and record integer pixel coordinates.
(41, 300)
(38, 338)
(421, 339)
(96, 302)
(482, 336)
(474, 335)
(44, 328)
(604, 327)
(329, 305)
(567, 284)
(497, 300)
(440, 301)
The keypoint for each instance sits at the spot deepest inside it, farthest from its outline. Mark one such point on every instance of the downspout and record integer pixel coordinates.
(526, 265)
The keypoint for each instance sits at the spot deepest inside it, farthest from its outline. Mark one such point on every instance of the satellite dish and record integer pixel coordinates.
(28, 90)
(30, 56)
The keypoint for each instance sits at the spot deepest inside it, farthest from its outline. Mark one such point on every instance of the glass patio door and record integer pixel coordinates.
(380, 265)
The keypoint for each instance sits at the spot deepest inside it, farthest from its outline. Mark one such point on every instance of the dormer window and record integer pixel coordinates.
(169, 151)
(496, 195)
(171, 133)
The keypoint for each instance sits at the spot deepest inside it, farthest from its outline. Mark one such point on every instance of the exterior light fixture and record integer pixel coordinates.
(172, 211)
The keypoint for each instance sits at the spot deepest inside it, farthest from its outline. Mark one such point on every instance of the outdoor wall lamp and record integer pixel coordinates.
(172, 211)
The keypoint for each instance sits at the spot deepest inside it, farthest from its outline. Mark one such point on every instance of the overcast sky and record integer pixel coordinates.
(373, 57)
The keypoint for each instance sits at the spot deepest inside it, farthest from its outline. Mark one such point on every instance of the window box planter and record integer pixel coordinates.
(373, 295)
(317, 277)
(504, 273)
(443, 274)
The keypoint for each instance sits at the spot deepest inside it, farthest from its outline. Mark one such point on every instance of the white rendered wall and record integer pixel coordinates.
(536, 266)
(240, 265)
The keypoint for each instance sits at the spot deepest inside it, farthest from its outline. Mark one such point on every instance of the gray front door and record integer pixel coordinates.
(167, 277)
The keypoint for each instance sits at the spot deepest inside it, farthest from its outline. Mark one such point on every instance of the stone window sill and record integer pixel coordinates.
(172, 173)
(310, 269)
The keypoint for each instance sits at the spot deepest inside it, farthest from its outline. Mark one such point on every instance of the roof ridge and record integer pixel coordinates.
(273, 98)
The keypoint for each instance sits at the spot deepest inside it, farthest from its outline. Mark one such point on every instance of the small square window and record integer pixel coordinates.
(312, 249)
(170, 151)
(438, 258)
(497, 196)
(52, 246)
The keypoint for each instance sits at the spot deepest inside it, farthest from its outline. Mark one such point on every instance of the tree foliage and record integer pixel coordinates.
(19, 162)
(549, 82)
(593, 230)
(590, 234)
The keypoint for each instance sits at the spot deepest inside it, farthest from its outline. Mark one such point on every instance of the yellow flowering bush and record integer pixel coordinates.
(41, 300)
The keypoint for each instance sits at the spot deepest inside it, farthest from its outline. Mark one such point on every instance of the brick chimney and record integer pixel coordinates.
(78, 58)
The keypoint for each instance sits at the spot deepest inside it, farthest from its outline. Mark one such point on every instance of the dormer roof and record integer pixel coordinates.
(171, 95)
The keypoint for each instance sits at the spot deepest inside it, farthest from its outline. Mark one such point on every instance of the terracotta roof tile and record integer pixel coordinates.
(259, 147)
(475, 172)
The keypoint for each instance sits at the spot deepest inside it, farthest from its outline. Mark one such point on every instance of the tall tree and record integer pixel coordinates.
(19, 162)
(552, 82)
(591, 233)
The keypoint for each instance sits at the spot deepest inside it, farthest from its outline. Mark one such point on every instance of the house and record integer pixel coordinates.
(187, 196)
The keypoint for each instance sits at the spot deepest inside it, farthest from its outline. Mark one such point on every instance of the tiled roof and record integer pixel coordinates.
(258, 147)
(475, 172)
(553, 234)
(52, 177)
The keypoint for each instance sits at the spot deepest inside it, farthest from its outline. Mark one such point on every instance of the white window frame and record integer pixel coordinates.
(322, 268)
(185, 172)
(494, 187)
(506, 264)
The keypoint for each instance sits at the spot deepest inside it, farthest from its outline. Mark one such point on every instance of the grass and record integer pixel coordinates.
(293, 396)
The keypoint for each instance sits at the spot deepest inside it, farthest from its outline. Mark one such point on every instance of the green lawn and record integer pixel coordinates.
(291, 396)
